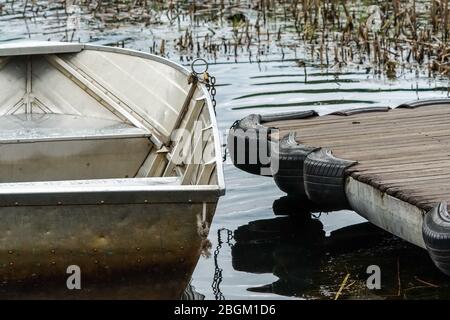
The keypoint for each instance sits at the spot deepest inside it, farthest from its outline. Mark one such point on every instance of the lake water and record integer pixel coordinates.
(258, 251)
(278, 262)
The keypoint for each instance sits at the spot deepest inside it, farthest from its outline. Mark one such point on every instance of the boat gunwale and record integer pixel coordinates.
(54, 195)
(38, 47)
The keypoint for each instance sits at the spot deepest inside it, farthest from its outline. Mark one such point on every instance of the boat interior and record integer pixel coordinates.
(96, 114)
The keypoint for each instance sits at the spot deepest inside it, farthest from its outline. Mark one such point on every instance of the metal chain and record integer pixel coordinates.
(217, 280)
(213, 92)
(210, 83)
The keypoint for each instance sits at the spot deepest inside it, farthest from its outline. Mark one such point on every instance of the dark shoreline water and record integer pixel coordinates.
(260, 253)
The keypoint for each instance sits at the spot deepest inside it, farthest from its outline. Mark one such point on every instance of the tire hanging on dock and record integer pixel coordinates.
(288, 174)
(423, 103)
(312, 173)
(249, 141)
(324, 179)
(436, 235)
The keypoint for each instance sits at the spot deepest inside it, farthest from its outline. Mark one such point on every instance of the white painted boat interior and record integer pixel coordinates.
(90, 113)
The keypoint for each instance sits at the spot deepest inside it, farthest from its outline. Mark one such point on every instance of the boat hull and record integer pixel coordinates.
(109, 243)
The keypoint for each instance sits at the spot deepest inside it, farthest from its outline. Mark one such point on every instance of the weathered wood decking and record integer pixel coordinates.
(404, 152)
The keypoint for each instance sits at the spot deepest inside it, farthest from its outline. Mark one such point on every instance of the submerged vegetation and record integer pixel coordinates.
(380, 34)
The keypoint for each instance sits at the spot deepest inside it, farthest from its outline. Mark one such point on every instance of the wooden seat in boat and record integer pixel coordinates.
(46, 147)
(34, 127)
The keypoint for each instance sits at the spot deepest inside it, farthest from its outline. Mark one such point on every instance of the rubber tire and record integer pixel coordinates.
(424, 103)
(351, 112)
(237, 137)
(324, 179)
(291, 157)
(436, 235)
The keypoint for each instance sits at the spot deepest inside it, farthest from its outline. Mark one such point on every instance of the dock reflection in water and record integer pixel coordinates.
(310, 264)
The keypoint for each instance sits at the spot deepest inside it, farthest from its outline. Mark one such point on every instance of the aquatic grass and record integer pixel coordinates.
(307, 82)
(336, 90)
(382, 35)
(304, 104)
(313, 74)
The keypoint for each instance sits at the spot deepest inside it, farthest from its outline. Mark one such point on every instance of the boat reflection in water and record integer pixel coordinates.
(190, 293)
(311, 265)
(167, 285)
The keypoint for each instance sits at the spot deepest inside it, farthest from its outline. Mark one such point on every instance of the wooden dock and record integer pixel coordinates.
(404, 152)
(392, 166)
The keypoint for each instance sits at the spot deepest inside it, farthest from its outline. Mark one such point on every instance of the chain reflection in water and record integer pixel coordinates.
(217, 280)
